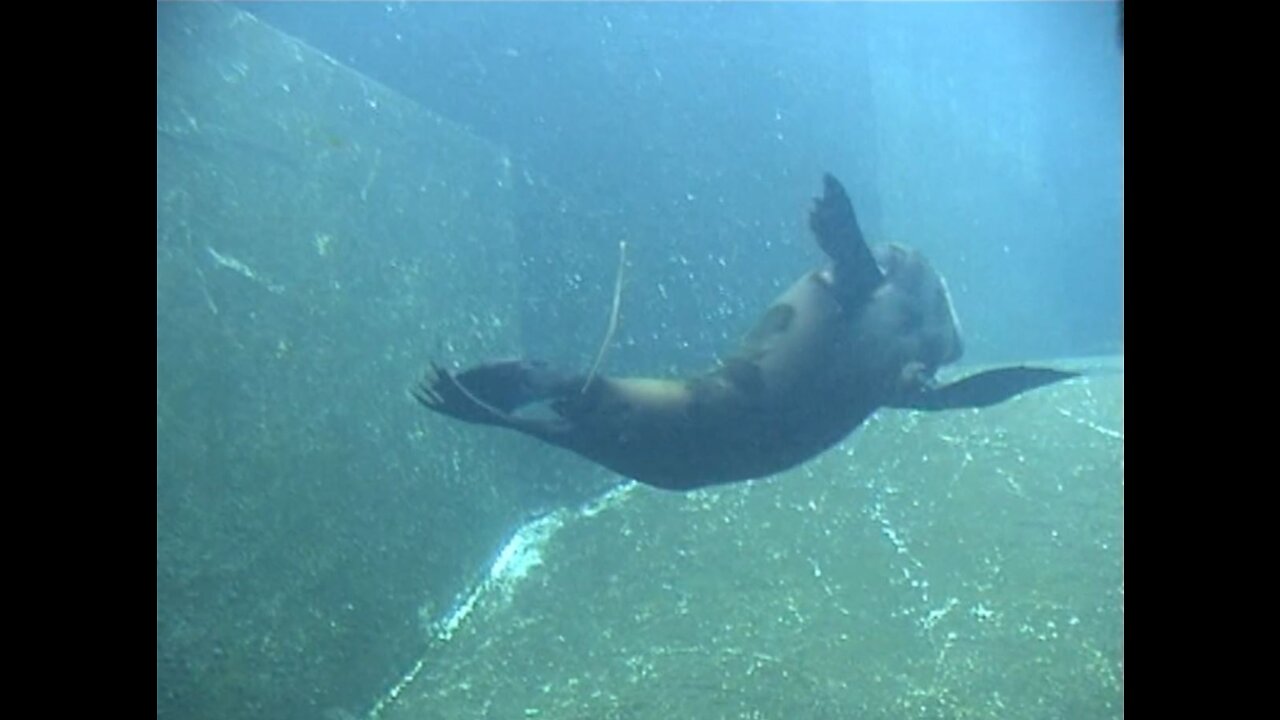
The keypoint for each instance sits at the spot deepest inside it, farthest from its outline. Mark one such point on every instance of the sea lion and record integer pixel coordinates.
(865, 332)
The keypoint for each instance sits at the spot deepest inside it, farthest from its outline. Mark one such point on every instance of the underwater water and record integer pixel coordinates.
(346, 191)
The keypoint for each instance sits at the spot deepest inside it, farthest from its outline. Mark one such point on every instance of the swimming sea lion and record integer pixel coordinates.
(865, 332)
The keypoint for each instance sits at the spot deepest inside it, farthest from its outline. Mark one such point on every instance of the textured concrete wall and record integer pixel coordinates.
(318, 240)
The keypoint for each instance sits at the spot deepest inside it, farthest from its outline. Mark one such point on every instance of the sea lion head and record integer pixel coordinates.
(912, 312)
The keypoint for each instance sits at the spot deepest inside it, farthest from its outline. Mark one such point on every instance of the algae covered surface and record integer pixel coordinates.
(953, 565)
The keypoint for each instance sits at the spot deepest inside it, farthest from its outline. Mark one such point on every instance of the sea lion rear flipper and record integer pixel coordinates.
(835, 227)
(488, 393)
(983, 389)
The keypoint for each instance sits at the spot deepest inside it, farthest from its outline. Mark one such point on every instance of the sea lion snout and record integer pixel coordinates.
(915, 299)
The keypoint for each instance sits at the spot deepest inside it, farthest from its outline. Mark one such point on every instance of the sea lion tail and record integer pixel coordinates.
(983, 389)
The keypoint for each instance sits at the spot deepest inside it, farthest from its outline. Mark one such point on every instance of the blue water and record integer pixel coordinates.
(996, 127)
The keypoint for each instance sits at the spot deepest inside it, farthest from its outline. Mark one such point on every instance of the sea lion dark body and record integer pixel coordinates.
(868, 331)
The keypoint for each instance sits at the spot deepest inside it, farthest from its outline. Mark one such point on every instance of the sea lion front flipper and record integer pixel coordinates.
(835, 227)
(983, 389)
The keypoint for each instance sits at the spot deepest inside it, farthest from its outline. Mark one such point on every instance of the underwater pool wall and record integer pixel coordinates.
(319, 239)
